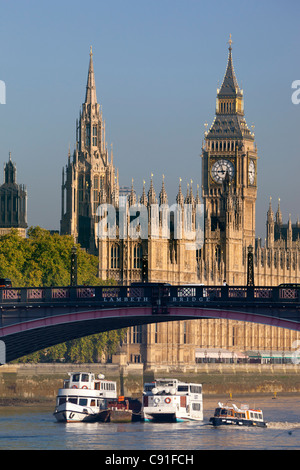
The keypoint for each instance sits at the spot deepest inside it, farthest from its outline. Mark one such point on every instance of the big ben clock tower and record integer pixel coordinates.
(229, 182)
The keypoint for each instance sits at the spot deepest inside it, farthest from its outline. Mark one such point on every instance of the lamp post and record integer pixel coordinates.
(73, 281)
(250, 267)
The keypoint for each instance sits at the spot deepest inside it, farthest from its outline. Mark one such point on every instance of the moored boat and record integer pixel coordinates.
(117, 411)
(169, 400)
(84, 397)
(231, 414)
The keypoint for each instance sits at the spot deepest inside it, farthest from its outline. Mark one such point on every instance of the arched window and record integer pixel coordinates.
(115, 256)
(137, 256)
(218, 254)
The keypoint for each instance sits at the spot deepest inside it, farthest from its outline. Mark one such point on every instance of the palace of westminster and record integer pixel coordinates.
(228, 197)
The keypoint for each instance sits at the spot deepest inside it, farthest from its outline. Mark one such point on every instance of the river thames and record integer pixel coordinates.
(34, 428)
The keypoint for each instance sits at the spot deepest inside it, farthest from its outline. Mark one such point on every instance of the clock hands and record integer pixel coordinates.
(220, 169)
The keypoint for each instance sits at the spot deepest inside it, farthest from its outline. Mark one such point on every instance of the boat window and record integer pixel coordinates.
(148, 388)
(93, 402)
(62, 400)
(196, 406)
(164, 383)
(97, 385)
(195, 388)
(76, 377)
(72, 400)
(183, 388)
(107, 386)
(223, 412)
(82, 401)
(84, 377)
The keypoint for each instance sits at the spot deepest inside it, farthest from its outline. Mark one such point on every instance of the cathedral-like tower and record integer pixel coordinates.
(13, 202)
(89, 178)
(229, 182)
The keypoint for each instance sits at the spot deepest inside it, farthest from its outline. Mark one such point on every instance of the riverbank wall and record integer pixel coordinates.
(38, 382)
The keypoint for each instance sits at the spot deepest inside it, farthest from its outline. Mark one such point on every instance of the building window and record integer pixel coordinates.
(156, 333)
(218, 254)
(137, 256)
(234, 334)
(96, 193)
(115, 257)
(88, 135)
(80, 188)
(137, 334)
(135, 358)
(95, 135)
(184, 333)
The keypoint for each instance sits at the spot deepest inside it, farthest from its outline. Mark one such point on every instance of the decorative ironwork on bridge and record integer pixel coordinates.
(157, 295)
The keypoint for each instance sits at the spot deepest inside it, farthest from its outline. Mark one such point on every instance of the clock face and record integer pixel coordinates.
(219, 170)
(251, 172)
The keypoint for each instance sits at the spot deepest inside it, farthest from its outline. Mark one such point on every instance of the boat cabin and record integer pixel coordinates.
(171, 386)
(89, 381)
(243, 412)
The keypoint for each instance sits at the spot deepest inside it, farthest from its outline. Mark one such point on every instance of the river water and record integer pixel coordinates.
(34, 428)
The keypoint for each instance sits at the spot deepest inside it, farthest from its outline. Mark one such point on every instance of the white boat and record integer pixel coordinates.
(169, 400)
(84, 397)
(242, 415)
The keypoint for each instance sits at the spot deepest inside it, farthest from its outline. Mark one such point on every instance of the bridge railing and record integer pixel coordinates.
(149, 293)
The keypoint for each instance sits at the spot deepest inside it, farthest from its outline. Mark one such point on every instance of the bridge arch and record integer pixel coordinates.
(27, 337)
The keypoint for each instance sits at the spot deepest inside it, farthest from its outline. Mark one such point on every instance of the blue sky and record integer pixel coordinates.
(157, 66)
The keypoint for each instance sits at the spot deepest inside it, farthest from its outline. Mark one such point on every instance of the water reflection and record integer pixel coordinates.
(36, 428)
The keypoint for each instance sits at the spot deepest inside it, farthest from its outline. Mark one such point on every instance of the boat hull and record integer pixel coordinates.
(216, 421)
(120, 416)
(69, 416)
(165, 417)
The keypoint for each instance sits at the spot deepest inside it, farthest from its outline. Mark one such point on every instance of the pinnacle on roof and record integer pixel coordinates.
(151, 193)
(270, 213)
(90, 97)
(163, 198)
(144, 199)
(230, 85)
(278, 214)
(132, 196)
(179, 197)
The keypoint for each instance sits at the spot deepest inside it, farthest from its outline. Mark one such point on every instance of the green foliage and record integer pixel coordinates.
(82, 350)
(43, 260)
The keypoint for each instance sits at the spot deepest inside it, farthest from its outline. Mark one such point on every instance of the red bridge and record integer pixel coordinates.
(35, 318)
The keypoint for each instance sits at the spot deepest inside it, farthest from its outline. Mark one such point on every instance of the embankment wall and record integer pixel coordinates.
(37, 382)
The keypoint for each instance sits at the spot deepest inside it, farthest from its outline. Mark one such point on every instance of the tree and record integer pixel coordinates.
(43, 260)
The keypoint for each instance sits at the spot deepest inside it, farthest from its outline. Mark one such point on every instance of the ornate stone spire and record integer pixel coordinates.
(144, 199)
(132, 195)
(90, 97)
(197, 200)
(192, 199)
(151, 193)
(163, 198)
(278, 214)
(270, 213)
(187, 197)
(179, 197)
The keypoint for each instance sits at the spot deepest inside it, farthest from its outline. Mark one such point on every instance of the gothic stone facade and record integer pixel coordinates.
(229, 191)
(13, 202)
